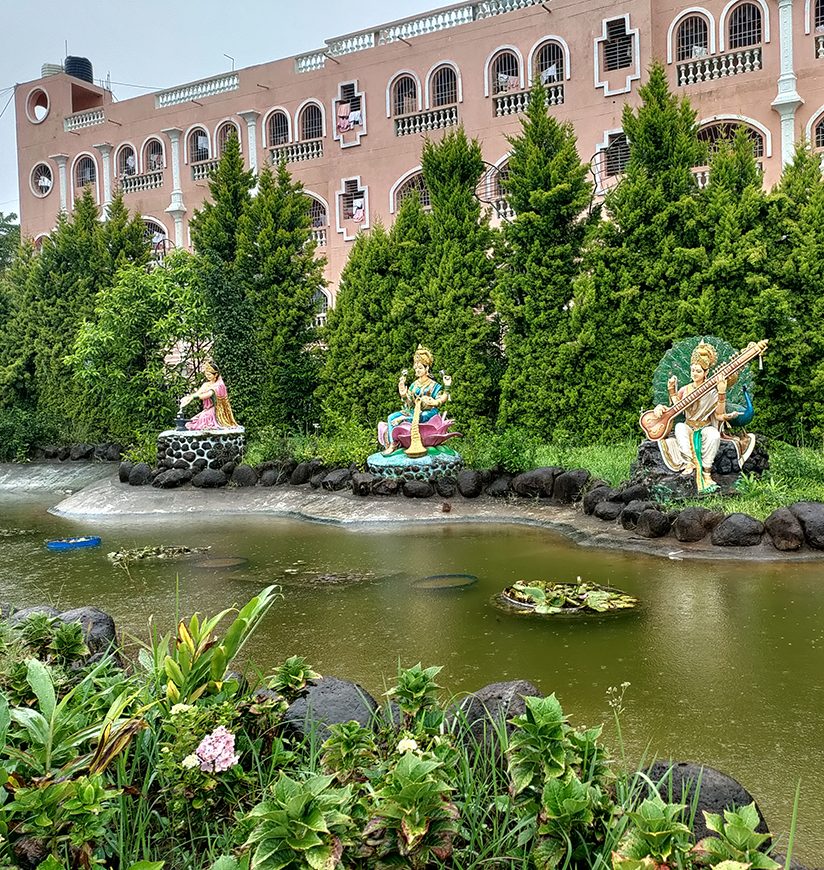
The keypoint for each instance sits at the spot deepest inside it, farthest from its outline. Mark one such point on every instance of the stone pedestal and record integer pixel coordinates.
(439, 463)
(202, 449)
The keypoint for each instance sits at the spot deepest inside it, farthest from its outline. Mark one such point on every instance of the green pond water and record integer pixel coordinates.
(725, 660)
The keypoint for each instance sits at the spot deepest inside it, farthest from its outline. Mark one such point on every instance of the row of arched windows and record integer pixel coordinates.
(695, 38)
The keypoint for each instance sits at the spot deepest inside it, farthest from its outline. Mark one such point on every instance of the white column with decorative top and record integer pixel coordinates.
(788, 99)
(61, 160)
(176, 207)
(251, 118)
(105, 150)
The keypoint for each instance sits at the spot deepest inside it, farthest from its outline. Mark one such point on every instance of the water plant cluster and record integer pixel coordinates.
(177, 761)
(137, 554)
(547, 598)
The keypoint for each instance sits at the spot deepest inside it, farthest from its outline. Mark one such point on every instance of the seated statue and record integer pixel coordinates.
(429, 396)
(217, 412)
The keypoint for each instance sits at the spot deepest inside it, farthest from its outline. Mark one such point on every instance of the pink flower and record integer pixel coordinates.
(216, 752)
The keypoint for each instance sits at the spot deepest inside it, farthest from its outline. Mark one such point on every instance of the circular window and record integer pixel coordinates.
(41, 180)
(37, 106)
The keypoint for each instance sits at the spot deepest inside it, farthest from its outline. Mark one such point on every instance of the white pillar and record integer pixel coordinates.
(251, 118)
(787, 100)
(61, 160)
(105, 150)
(176, 207)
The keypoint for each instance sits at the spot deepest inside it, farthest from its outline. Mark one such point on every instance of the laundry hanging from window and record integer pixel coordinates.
(344, 122)
(550, 74)
(357, 210)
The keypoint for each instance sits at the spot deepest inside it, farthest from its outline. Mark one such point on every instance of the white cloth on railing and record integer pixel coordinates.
(355, 117)
(357, 211)
(550, 74)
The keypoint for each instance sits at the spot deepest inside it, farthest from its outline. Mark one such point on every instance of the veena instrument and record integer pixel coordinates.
(657, 428)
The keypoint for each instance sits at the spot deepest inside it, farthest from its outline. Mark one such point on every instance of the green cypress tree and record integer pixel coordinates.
(9, 238)
(277, 270)
(455, 306)
(123, 236)
(548, 188)
(16, 326)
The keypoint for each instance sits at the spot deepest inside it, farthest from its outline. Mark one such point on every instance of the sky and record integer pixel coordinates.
(159, 44)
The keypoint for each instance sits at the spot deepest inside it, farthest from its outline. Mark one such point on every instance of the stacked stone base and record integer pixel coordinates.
(439, 463)
(199, 450)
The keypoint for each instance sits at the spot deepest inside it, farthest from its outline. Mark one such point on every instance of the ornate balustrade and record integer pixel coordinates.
(819, 46)
(197, 90)
(297, 152)
(707, 69)
(203, 169)
(319, 235)
(146, 181)
(83, 119)
(511, 103)
(423, 122)
(503, 209)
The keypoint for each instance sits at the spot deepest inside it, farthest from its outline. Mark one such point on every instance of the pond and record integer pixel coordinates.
(725, 660)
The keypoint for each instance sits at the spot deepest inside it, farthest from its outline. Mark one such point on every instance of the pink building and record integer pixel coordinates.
(350, 118)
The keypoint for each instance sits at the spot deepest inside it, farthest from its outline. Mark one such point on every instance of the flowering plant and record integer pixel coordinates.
(215, 753)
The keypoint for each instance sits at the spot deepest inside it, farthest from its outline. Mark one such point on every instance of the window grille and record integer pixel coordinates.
(405, 96)
(224, 132)
(745, 26)
(819, 134)
(353, 202)
(153, 156)
(693, 39)
(505, 73)
(321, 303)
(317, 214)
(41, 180)
(198, 146)
(85, 172)
(347, 95)
(278, 129)
(549, 63)
(818, 18)
(617, 155)
(501, 175)
(154, 232)
(126, 161)
(618, 46)
(444, 87)
(415, 184)
(311, 123)
(713, 134)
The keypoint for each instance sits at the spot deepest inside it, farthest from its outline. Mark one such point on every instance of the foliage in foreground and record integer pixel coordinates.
(177, 763)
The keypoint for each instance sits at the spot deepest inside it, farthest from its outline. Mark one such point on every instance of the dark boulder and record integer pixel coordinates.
(125, 470)
(633, 492)
(228, 468)
(81, 451)
(417, 489)
(653, 523)
(493, 706)
(200, 463)
(316, 480)
(98, 627)
(785, 530)
(385, 486)
(302, 473)
(537, 483)
(608, 511)
(811, 516)
(209, 478)
(113, 452)
(445, 487)
(631, 512)
(180, 463)
(172, 479)
(695, 523)
(329, 701)
(362, 483)
(337, 479)
(51, 451)
(738, 530)
(678, 782)
(64, 453)
(569, 485)
(499, 488)
(140, 475)
(244, 475)
(268, 477)
(21, 615)
(287, 469)
(470, 483)
(596, 495)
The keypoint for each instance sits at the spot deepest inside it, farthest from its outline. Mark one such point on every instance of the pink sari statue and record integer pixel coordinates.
(217, 412)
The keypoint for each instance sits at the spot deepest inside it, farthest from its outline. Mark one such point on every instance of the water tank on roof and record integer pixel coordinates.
(80, 68)
(50, 69)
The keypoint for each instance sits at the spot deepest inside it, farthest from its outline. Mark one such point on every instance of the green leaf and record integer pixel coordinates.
(39, 678)
(156, 865)
(5, 720)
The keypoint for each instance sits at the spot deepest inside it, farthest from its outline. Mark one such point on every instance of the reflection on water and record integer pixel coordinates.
(726, 662)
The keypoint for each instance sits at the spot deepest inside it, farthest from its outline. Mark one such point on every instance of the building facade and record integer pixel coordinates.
(349, 118)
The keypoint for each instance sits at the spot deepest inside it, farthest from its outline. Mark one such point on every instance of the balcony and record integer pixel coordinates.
(197, 90)
(297, 152)
(203, 169)
(707, 69)
(319, 236)
(423, 122)
(702, 173)
(503, 209)
(146, 181)
(82, 120)
(819, 46)
(515, 103)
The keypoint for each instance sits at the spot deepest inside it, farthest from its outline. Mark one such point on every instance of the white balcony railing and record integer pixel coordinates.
(203, 169)
(83, 119)
(707, 69)
(514, 103)
(819, 46)
(423, 122)
(146, 181)
(297, 151)
(319, 235)
(197, 90)
(453, 16)
(503, 209)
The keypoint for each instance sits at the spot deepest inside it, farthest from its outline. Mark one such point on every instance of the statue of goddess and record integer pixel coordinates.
(217, 412)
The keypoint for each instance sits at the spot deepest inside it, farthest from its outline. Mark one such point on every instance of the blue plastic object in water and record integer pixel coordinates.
(74, 543)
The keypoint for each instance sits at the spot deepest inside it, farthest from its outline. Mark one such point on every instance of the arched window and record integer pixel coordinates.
(126, 161)
(617, 155)
(85, 172)
(714, 133)
(317, 214)
(198, 145)
(818, 135)
(153, 155)
(692, 38)
(277, 129)
(505, 73)
(155, 232)
(818, 18)
(224, 132)
(404, 96)
(444, 87)
(745, 26)
(549, 63)
(311, 122)
(414, 184)
(321, 302)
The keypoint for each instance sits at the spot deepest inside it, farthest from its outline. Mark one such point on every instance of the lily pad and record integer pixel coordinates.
(550, 598)
(445, 581)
